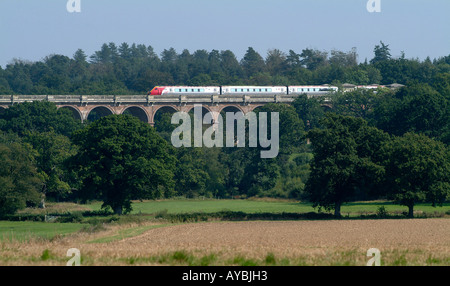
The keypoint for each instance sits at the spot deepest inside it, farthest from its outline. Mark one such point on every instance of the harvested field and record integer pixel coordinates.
(331, 242)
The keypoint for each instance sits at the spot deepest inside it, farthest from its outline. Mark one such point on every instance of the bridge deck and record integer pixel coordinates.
(149, 99)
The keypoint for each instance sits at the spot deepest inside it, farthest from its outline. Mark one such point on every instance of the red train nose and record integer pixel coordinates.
(157, 90)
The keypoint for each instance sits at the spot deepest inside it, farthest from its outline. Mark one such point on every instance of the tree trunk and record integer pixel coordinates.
(118, 210)
(42, 202)
(411, 211)
(337, 210)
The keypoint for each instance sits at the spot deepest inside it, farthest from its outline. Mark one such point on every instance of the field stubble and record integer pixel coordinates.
(328, 242)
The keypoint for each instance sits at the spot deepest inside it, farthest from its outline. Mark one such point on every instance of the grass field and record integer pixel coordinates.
(23, 231)
(267, 205)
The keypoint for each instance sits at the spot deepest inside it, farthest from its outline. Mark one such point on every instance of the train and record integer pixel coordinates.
(242, 90)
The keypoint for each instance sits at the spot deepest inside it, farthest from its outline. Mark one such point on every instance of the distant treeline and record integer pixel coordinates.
(136, 69)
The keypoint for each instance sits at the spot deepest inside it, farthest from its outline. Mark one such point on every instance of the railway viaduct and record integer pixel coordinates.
(145, 107)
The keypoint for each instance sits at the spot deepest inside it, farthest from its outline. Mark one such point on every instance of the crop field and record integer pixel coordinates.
(146, 240)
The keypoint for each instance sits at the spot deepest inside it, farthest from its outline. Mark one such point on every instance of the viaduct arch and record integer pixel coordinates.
(147, 107)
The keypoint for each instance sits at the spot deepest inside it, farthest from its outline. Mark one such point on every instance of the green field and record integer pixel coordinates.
(266, 206)
(23, 231)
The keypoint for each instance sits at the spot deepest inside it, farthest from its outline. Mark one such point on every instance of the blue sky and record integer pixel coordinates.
(33, 29)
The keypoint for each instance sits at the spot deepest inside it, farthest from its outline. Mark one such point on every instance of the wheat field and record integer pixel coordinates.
(329, 242)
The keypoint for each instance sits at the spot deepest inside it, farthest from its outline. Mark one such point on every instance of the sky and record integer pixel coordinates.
(33, 29)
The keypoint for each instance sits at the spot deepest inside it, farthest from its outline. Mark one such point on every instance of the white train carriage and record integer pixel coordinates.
(248, 90)
(312, 89)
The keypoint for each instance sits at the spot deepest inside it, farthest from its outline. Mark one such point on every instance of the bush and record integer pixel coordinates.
(382, 212)
(71, 217)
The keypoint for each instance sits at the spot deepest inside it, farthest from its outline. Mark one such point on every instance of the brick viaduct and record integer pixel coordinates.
(145, 107)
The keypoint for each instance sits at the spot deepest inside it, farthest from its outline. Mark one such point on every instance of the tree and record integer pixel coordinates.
(417, 108)
(343, 59)
(275, 62)
(52, 150)
(252, 63)
(120, 159)
(191, 175)
(293, 59)
(313, 59)
(357, 103)
(260, 175)
(345, 161)
(291, 128)
(230, 65)
(309, 111)
(382, 53)
(20, 183)
(38, 116)
(417, 171)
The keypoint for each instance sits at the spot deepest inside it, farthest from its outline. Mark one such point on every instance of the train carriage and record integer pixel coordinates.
(312, 89)
(248, 90)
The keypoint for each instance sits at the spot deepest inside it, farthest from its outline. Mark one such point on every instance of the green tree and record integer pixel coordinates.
(381, 53)
(357, 103)
(252, 63)
(309, 110)
(191, 175)
(275, 62)
(121, 158)
(417, 171)
(291, 128)
(230, 65)
(343, 59)
(313, 59)
(345, 161)
(52, 150)
(38, 116)
(417, 108)
(20, 183)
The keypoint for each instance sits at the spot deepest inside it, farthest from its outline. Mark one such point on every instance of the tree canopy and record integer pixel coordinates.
(120, 158)
(417, 171)
(345, 161)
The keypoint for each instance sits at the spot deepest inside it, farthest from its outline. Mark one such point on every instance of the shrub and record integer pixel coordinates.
(382, 212)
